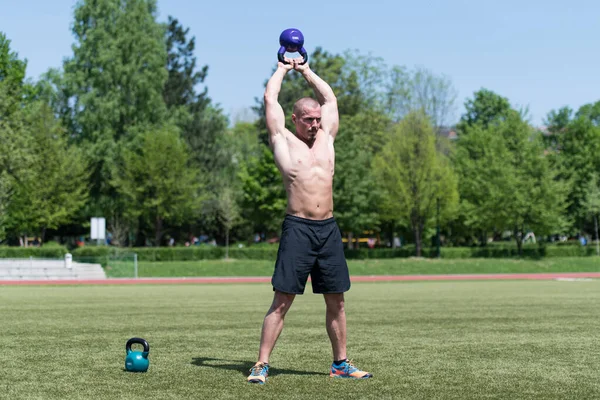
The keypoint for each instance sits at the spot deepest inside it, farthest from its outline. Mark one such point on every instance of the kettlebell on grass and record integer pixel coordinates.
(137, 361)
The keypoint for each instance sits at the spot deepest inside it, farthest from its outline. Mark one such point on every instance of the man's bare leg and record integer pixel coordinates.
(336, 329)
(273, 324)
(335, 321)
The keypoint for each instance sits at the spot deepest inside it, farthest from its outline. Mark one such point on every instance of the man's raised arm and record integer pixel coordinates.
(273, 110)
(329, 111)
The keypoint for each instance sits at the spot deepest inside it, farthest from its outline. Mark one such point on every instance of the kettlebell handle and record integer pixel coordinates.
(282, 51)
(136, 340)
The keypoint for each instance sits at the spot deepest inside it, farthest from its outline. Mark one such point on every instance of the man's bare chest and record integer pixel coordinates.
(320, 156)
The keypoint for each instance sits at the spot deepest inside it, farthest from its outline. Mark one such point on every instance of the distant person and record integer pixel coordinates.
(311, 243)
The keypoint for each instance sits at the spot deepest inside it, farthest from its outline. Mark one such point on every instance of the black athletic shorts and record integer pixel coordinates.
(310, 247)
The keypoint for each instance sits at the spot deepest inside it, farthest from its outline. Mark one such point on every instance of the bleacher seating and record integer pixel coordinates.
(48, 269)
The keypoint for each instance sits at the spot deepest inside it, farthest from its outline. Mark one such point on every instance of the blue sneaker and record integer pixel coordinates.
(347, 370)
(259, 373)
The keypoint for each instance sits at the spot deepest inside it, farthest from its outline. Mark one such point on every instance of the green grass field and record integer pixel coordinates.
(396, 266)
(421, 340)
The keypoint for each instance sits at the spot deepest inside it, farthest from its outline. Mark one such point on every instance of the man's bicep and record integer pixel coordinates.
(330, 119)
(275, 117)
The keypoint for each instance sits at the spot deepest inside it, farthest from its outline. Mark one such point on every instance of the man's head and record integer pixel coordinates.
(307, 118)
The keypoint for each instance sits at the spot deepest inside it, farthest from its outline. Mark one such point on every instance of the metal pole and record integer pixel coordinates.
(439, 254)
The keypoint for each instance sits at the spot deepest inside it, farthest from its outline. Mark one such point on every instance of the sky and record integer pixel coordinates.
(539, 54)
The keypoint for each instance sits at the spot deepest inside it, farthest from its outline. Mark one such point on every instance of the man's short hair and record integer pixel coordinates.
(305, 102)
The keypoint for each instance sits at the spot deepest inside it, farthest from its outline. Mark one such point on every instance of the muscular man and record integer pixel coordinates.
(311, 243)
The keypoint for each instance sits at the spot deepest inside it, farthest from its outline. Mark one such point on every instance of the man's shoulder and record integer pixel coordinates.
(281, 138)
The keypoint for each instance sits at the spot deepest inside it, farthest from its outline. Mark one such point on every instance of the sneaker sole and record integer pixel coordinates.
(256, 381)
(350, 377)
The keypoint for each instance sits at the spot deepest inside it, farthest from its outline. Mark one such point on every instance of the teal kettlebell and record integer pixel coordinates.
(137, 361)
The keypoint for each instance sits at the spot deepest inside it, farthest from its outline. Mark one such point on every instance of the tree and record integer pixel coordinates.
(355, 190)
(200, 121)
(420, 89)
(264, 199)
(592, 206)
(507, 181)
(228, 213)
(590, 112)
(53, 188)
(485, 108)
(14, 156)
(114, 81)
(154, 178)
(479, 160)
(183, 78)
(415, 177)
(12, 75)
(556, 122)
(531, 196)
(577, 161)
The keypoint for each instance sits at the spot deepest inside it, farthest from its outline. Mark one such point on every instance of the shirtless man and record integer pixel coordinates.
(311, 243)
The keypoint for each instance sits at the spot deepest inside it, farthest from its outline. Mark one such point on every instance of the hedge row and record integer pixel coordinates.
(36, 252)
(270, 253)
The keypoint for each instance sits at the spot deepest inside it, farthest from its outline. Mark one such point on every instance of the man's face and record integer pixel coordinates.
(307, 123)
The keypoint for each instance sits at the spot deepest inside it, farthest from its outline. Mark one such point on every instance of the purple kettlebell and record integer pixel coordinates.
(291, 40)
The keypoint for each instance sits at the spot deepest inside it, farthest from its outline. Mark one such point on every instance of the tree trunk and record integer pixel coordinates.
(226, 244)
(519, 239)
(483, 238)
(596, 228)
(390, 234)
(418, 233)
(158, 234)
(350, 238)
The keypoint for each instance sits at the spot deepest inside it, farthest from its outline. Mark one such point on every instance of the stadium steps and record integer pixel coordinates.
(37, 269)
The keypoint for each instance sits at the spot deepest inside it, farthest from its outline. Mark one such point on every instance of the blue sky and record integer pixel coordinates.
(540, 54)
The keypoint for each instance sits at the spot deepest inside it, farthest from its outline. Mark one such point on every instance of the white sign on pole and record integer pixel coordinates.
(98, 230)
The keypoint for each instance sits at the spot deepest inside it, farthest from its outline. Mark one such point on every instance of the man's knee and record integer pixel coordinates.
(281, 303)
(334, 302)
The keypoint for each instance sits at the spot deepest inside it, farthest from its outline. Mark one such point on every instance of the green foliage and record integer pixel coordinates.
(131, 78)
(113, 85)
(419, 90)
(590, 112)
(415, 176)
(117, 70)
(485, 108)
(154, 179)
(264, 201)
(507, 181)
(12, 77)
(53, 187)
(355, 189)
(180, 88)
(579, 145)
(531, 197)
(202, 124)
(35, 252)
(479, 161)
